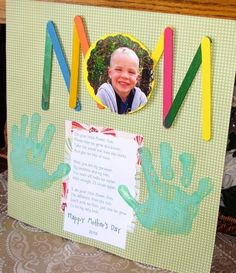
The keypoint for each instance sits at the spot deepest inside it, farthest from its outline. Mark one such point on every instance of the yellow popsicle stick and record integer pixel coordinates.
(74, 69)
(156, 54)
(206, 88)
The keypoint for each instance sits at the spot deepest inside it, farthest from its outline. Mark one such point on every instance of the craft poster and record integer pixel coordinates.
(117, 124)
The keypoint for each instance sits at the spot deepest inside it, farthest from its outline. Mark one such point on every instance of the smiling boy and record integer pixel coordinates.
(122, 95)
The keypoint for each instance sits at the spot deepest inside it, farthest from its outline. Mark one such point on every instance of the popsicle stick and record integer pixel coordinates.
(168, 71)
(82, 34)
(156, 54)
(74, 69)
(59, 53)
(206, 88)
(47, 69)
(183, 90)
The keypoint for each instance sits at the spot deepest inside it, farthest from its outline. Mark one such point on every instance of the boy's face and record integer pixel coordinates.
(123, 72)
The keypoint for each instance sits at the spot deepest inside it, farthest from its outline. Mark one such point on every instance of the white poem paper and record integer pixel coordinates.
(100, 162)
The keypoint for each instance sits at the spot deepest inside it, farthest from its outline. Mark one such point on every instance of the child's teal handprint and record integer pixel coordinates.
(28, 155)
(168, 209)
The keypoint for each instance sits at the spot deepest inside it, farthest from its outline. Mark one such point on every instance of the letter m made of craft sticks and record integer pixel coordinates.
(202, 57)
(164, 45)
(52, 42)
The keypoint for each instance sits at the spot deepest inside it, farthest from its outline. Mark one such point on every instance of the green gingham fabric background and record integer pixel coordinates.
(26, 26)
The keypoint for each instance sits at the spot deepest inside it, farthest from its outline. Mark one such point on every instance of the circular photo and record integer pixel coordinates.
(119, 73)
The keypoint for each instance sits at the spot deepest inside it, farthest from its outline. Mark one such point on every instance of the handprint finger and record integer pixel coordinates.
(62, 170)
(165, 157)
(34, 127)
(188, 164)
(14, 135)
(204, 188)
(149, 171)
(24, 124)
(47, 138)
(128, 198)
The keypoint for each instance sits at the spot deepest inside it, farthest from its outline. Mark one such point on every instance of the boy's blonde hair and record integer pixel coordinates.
(128, 52)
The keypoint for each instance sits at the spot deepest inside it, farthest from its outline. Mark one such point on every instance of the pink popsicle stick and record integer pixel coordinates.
(168, 71)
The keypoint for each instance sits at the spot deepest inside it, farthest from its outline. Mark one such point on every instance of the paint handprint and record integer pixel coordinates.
(28, 155)
(169, 209)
